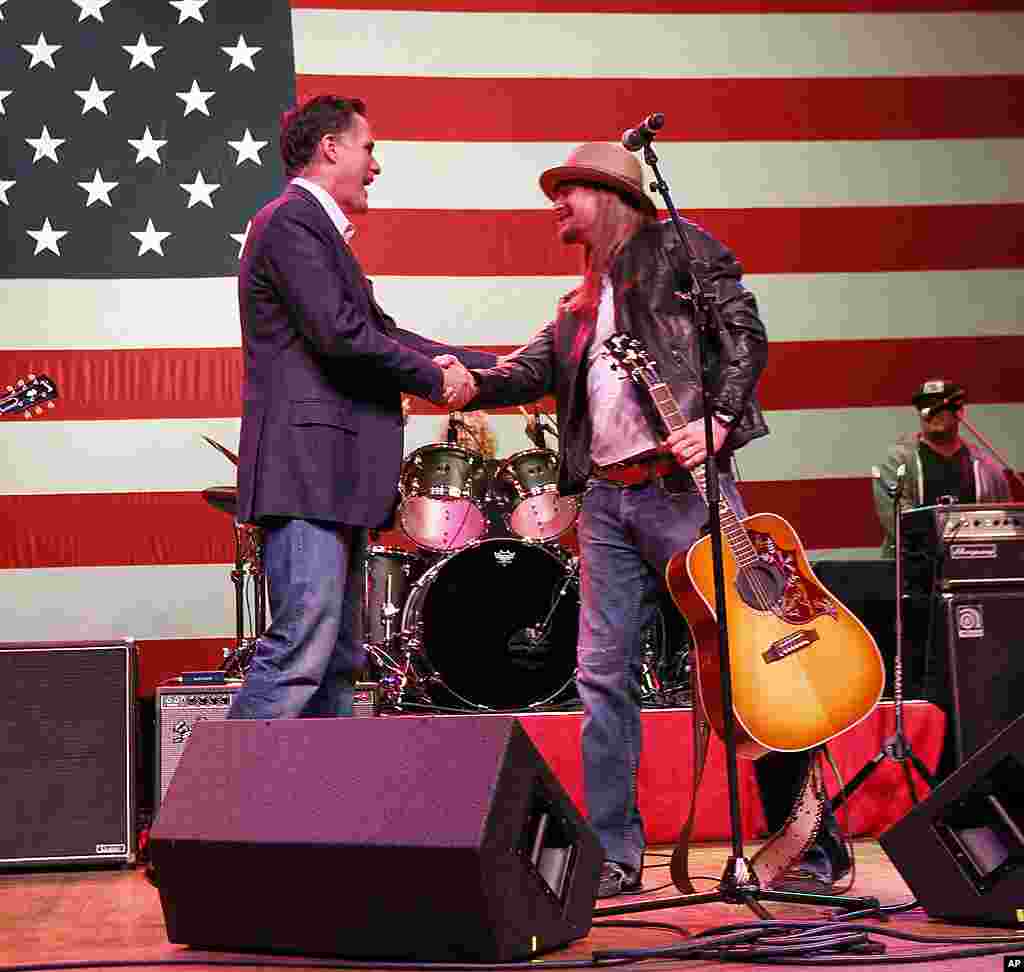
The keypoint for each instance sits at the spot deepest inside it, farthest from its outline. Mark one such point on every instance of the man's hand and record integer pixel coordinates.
(459, 386)
(687, 444)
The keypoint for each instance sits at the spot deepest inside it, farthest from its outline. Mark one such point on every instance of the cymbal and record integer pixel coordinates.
(223, 498)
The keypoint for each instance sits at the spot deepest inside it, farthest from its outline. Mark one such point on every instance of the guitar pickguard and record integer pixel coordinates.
(800, 602)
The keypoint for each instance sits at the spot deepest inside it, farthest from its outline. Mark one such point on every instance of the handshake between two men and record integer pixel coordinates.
(459, 385)
(687, 444)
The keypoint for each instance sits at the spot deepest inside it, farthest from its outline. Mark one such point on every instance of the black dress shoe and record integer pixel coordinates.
(618, 879)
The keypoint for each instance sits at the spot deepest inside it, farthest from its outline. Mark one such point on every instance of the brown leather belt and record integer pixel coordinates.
(636, 473)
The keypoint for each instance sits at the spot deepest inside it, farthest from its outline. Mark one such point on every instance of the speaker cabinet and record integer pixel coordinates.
(436, 838)
(67, 734)
(980, 665)
(962, 849)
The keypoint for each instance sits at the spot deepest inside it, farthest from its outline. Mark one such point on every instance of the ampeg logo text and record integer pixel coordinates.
(973, 551)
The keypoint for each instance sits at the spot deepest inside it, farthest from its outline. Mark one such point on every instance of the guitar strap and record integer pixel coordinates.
(783, 848)
(680, 866)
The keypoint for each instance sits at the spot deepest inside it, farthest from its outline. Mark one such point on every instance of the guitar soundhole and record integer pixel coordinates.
(760, 586)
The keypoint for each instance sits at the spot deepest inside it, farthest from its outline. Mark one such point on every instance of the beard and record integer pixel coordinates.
(944, 435)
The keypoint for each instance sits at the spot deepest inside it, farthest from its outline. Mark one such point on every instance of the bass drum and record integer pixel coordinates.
(495, 625)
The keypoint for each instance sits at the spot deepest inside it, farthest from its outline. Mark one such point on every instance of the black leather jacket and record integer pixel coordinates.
(646, 274)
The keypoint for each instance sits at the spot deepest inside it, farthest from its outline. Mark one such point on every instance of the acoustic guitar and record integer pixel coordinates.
(804, 668)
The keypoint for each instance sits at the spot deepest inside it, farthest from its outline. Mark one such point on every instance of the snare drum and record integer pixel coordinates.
(442, 489)
(539, 512)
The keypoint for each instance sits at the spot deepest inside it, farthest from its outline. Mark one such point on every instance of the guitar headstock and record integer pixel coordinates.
(630, 354)
(29, 395)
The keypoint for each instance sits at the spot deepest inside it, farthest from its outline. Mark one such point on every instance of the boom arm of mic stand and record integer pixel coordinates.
(991, 448)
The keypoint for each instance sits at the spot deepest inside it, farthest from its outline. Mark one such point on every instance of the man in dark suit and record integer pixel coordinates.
(321, 440)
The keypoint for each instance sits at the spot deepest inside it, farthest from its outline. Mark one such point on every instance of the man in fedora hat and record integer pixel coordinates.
(937, 465)
(639, 505)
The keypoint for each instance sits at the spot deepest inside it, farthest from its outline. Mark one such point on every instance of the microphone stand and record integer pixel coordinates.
(897, 746)
(991, 448)
(739, 884)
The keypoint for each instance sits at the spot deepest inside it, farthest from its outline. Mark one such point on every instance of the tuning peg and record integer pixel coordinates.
(27, 414)
(10, 388)
(31, 377)
(50, 405)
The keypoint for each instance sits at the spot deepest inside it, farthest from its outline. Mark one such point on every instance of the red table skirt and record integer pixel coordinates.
(666, 770)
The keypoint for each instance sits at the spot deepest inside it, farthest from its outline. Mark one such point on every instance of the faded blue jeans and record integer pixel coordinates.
(306, 661)
(627, 536)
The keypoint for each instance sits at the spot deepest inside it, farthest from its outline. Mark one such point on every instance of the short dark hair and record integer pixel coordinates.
(302, 127)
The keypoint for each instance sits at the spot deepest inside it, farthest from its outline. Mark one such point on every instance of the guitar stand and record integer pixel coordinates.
(897, 746)
(739, 884)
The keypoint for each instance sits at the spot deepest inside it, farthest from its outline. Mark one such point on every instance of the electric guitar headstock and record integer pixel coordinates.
(630, 356)
(29, 395)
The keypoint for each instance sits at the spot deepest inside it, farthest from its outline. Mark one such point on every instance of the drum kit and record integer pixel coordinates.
(483, 615)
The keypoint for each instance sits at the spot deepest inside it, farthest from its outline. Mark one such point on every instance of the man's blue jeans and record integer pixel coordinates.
(306, 661)
(627, 536)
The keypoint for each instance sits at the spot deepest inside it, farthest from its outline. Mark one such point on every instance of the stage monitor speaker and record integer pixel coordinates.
(979, 665)
(431, 838)
(961, 850)
(67, 747)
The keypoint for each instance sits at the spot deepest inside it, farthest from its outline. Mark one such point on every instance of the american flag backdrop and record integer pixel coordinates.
(864, 159)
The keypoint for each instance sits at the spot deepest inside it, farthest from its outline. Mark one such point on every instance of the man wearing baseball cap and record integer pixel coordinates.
(937, 465)
(639, 505)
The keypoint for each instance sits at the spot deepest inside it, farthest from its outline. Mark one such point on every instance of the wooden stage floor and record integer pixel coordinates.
(113, 916)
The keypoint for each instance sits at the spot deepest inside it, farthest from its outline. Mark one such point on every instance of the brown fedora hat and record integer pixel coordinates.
(604, 164)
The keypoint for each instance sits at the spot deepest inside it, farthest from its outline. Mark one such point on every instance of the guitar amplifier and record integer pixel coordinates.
(962, 545)
(180, 707)
(178, 710)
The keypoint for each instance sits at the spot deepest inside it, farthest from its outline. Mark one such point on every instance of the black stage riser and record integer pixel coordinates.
(402, 838)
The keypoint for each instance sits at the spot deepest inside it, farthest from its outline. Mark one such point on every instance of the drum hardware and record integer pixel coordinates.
(249, 580)
(247, 577)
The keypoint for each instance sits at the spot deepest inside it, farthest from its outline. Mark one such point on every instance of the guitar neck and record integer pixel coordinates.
(732, 529)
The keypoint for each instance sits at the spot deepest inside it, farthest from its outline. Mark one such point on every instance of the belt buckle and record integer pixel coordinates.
(684, 486)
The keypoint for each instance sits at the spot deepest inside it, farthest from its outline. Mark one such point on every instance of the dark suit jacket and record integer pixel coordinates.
(325, 368)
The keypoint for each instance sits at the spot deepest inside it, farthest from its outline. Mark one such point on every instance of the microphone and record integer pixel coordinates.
(636, 138)
(534, 429)
(952, 402)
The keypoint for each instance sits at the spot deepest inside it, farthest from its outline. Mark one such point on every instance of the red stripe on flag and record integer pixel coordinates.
(667, 6)
(847, 374)
(161, 660)
(825, 513)
(123, 529)
(112, 529)
(717, 109)
(800, 374)
(837, 239)
(131, 529)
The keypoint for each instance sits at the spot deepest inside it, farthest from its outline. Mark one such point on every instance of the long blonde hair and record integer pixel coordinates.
(617, 220)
